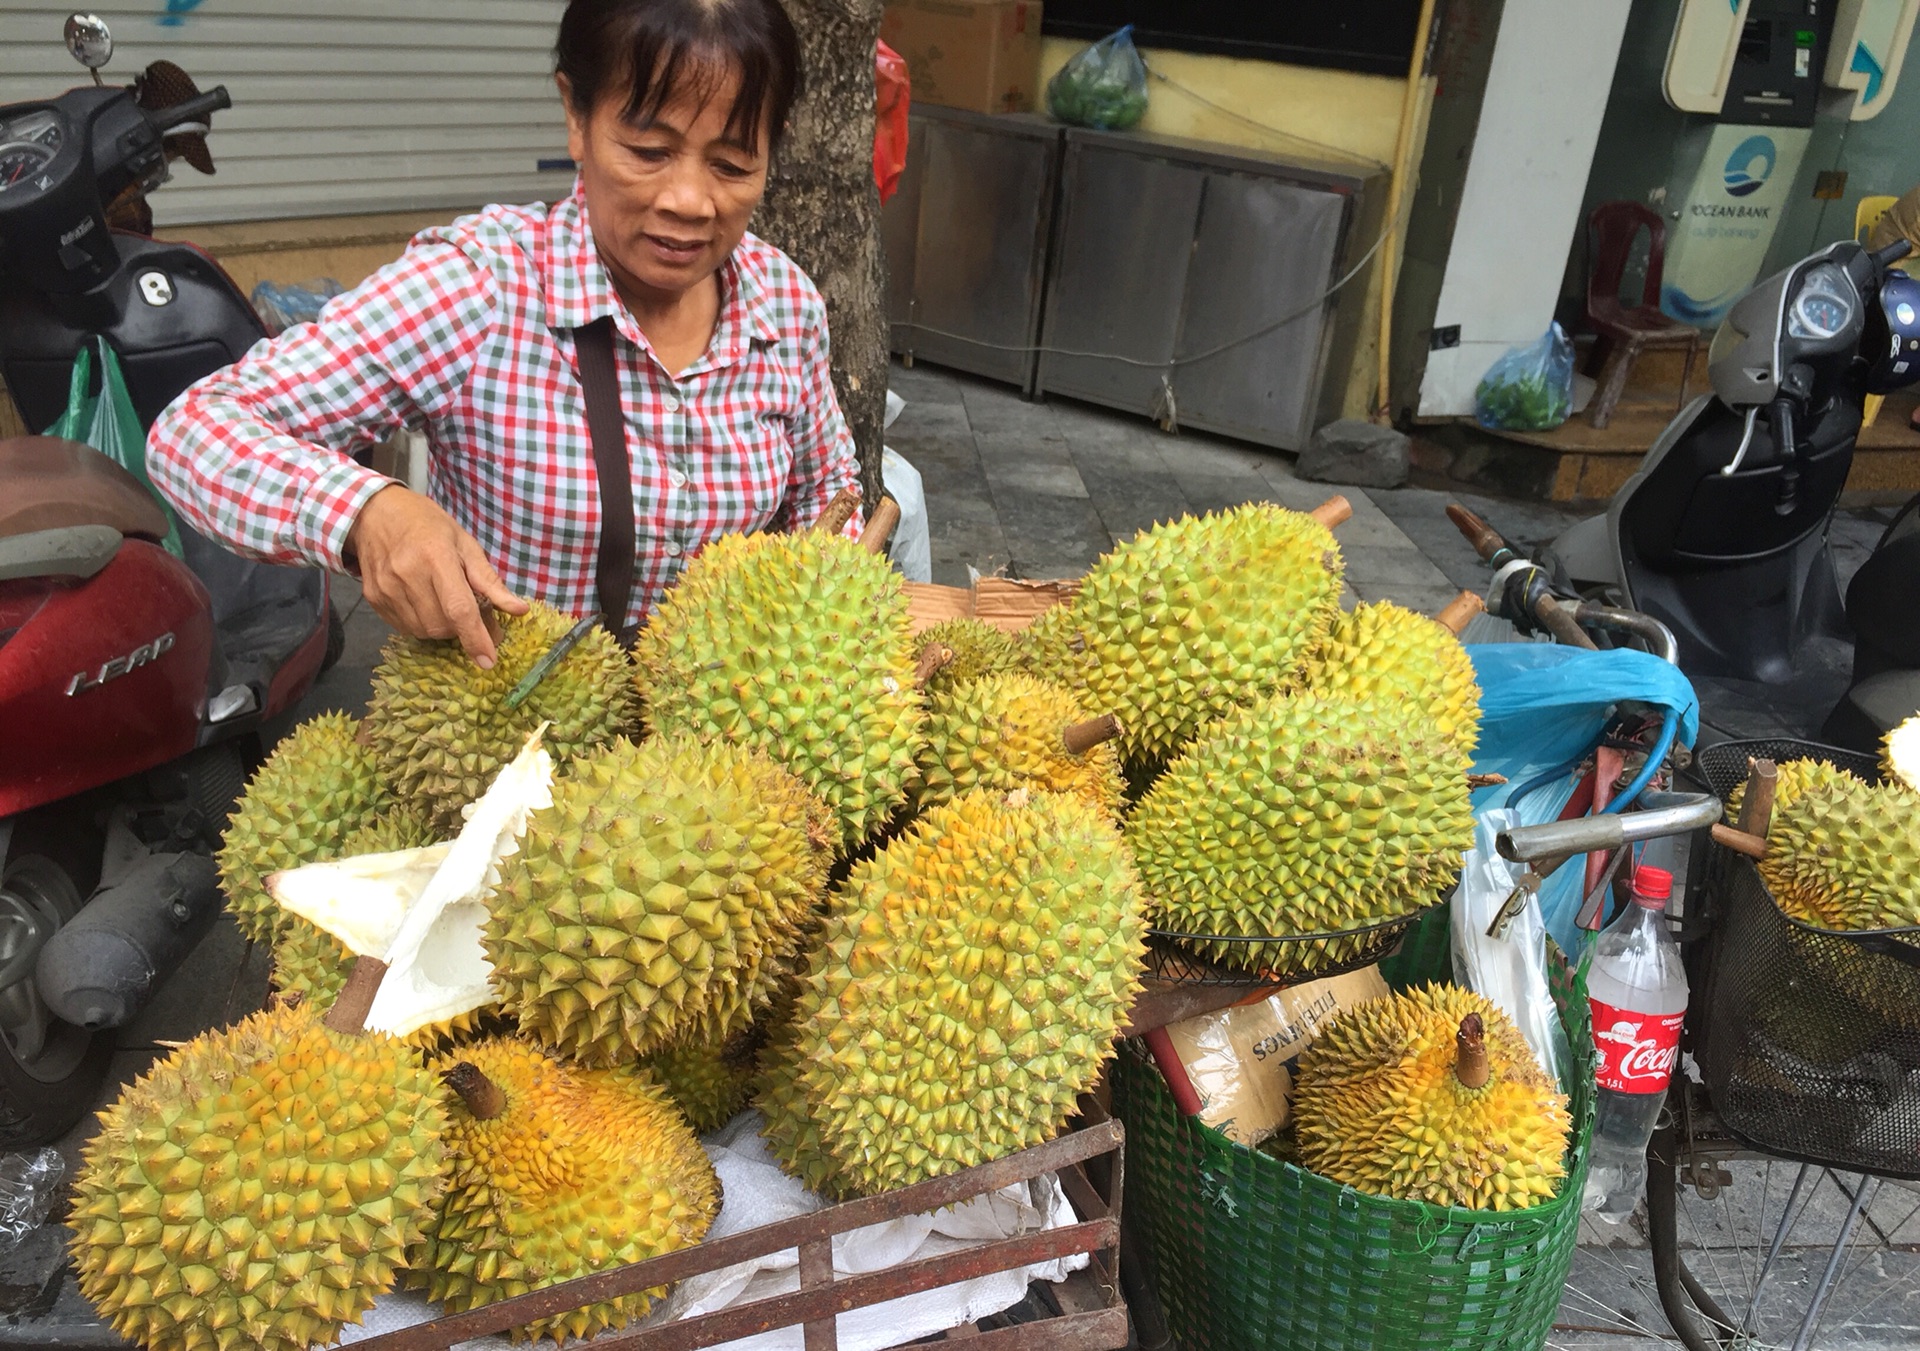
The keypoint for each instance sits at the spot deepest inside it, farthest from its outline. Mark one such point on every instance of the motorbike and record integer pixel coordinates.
(134, 682)
(1723, 533)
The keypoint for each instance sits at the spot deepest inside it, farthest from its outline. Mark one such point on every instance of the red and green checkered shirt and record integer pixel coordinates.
(469, 334)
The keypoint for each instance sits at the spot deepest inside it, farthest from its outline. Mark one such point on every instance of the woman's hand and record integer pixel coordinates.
(426, 576)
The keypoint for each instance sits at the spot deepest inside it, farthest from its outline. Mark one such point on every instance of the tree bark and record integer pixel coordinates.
(823, 211)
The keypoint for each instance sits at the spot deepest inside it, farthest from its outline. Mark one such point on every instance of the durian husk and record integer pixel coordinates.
(582, 1170)
(1841, 853)
(971, 982)
(1385, 653)
(318, 787)
(660, 899)
(979, 649)
(798, 646)
(709, 1081)
(257, 1188)
(441, 728)
(1383, 1102)
(1186, 621)
(1004, 731)
(1301, 816)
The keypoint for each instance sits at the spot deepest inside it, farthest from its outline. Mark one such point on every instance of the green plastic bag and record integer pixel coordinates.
(106, 421)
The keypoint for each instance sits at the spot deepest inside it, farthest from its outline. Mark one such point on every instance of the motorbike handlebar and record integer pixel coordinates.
(196, 109)
(1666, 814)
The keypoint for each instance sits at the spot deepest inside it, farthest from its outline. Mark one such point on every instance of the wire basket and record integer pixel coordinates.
(1233, 959)
(1810, 1044)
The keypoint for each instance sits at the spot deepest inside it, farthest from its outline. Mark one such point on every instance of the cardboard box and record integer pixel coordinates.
(982, 55)
(1240, 1060)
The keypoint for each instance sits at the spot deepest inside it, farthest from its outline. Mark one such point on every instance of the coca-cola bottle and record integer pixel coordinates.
(1638, 991)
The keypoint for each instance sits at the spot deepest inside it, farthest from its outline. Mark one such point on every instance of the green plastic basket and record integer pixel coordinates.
(1252, 1252)
(1425, 952)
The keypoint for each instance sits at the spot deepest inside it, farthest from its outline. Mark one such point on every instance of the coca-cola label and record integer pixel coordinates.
(1637, 1050)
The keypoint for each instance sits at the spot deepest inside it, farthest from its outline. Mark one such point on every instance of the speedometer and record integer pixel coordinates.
(20, 160)
(1821, 316)
(1824, 306)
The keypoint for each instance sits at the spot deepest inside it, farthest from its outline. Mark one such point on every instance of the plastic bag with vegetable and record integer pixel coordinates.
(1530, 389)
(1103, 86)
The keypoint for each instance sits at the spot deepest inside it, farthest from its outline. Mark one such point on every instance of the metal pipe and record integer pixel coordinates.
(1868, 1187)
(1677, 814)
(1658, 637)
(1403, 151)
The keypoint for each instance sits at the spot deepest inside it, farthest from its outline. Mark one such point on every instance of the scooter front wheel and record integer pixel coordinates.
(50, 1071)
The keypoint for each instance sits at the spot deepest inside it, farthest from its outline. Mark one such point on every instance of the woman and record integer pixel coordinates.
(718, 340)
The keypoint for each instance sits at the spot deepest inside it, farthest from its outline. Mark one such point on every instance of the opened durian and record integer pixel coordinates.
(658, 899)
(441, 727)
(1431, 1095)
(971, 981)
(1011, 731)
(979, 649)
(1842, 853)
(1900, 753)
(1301, 815)
(316, 789)
(709, 1081)
(1191, 619)
(558, 1171)
(1405, 662)
(257, 1188)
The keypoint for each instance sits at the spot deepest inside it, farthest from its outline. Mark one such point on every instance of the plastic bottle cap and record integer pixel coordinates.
(1652, 887)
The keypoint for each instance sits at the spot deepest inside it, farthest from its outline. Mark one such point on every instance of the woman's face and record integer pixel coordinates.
(667, 200)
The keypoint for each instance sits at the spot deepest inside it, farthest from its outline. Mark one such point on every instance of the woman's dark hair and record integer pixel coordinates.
(655, 47)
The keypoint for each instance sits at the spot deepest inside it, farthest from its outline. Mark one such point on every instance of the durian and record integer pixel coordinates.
(979, 649)
(558, 1171)
(1188, 620)
(657, 899)
(1009, 731)
(258, 1187)
(441, 727)
(316, 789)
(709, 1081)
(799, 646)
(1431, 1095)
(1842, 853)
(1300, 816)
(970, 983)
(1388, 656)
(1900, 754)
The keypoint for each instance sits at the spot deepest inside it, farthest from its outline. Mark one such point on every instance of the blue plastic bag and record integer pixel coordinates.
(1103, 85)
(280, 307)
(1530, 389)
(1542, 706)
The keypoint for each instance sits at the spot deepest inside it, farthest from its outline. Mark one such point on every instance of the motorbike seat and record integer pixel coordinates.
(52, 484)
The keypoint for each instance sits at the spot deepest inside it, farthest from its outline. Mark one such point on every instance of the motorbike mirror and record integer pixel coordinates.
(90, 41)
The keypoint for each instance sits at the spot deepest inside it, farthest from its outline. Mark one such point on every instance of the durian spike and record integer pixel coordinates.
(348, 1015)
(1472, 1067)
(482, 1095)
(839, 511)
(1082, 737)
(1459, 612)
(932, 658)
(1334, 511)
(1756, 805)
(880, 526)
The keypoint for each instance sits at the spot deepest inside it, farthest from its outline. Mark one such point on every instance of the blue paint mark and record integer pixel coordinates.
(1864, 64)
(177, 11)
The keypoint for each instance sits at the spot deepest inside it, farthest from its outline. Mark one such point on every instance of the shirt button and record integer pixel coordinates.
(672, 404)
(673, 550)
(677, 478)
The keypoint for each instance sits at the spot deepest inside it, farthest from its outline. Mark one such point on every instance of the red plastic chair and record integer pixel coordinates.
(1628, 330)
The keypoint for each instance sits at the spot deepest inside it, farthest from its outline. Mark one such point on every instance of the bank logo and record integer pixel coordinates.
(1750, 165)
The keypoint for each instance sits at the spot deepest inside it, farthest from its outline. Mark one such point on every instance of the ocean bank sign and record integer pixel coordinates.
(1727, 219)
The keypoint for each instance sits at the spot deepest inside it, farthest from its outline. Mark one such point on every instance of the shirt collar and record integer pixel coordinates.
(579, 290)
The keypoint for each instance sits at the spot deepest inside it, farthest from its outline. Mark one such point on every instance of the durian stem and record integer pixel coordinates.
(1485, 780)
(1756, 805)
(1334, 511)
(1459, 612)
(932, 658)
(482, 1095)
(1471, 1066)
(880, 525)
(355, 1001)
(839, 511)
(1753, 846)
(1082, 737)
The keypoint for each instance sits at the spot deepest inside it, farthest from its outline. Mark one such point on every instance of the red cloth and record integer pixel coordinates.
(893, 95)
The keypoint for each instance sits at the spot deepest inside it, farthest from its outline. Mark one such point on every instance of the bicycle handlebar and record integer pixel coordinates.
(1672, 814)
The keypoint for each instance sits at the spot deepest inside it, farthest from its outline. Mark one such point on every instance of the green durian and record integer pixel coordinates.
(1842, 853)
(440, 725)
(258, 1188)
(1301, 815)
(1386, 654)
(798, 646)
(660, 898)
(979, 649)
(711, 1081)
(970, 983)
(1189, 620)
(1005, 731)
(316, 789)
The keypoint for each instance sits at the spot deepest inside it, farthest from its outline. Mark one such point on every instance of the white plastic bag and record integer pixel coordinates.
(1510, 970)
(912, 547)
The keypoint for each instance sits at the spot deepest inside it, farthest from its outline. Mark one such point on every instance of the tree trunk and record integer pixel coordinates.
(822, 209)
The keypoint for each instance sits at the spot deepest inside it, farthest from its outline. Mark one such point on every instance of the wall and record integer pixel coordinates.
(345, 106)
(1880, 156)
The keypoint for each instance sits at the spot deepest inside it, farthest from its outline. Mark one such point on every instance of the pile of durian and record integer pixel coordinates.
(893, 890)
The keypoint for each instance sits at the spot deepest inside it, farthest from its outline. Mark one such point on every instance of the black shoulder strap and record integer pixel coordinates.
(607, 426)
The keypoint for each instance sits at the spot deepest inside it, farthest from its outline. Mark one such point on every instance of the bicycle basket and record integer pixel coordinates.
(1810, 1044)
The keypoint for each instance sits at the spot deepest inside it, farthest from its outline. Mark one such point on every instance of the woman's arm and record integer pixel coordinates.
(823, 458)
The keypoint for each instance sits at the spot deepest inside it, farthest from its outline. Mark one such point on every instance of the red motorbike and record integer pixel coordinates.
(133, 682)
